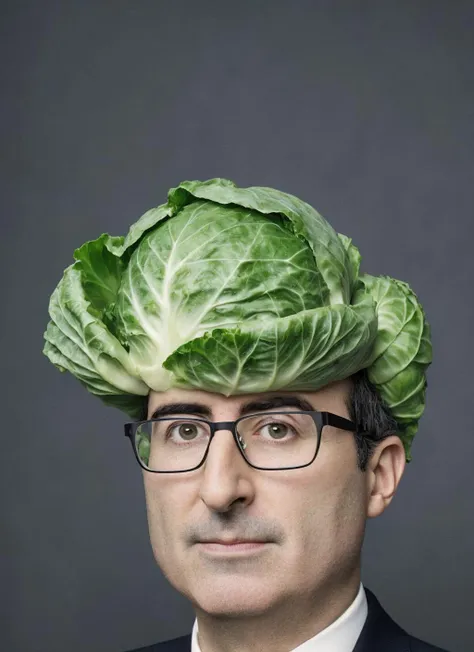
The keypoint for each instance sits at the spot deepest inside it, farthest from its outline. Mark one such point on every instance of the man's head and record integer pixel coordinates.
(222, 296)
(311, 519)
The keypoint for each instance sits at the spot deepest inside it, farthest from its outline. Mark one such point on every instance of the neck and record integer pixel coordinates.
(281, 629)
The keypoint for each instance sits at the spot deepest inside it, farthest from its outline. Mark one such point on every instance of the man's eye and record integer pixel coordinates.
(276, 430)
(186, 431)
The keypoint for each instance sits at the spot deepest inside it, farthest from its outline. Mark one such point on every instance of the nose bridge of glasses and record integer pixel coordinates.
(227, 425)
(223, 425)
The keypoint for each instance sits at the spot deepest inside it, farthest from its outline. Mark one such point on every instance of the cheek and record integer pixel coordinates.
(328, 523)
(164, 516)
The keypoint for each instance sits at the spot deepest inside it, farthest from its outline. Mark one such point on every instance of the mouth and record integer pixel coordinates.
(217, 546)
(232, 542)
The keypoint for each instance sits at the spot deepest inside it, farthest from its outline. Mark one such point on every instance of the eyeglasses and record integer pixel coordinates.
(271, 441)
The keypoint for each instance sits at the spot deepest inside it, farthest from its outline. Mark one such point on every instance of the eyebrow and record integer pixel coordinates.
(182, 408)
(262, 405)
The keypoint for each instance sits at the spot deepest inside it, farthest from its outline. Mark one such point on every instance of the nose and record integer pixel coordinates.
(226, 476)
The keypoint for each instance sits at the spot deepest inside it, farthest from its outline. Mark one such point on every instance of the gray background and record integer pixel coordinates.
(363, 109)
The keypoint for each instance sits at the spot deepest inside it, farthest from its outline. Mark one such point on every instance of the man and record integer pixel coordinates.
(277, 392)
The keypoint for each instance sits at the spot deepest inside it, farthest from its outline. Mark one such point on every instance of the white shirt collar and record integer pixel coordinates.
(340, 636)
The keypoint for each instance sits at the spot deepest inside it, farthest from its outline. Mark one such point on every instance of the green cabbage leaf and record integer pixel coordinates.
(234, 290)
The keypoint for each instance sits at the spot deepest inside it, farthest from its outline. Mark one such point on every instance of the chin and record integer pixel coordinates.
(229, 606)
(232, 596)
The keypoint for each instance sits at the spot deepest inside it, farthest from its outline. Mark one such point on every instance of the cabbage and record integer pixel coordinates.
(235, 291)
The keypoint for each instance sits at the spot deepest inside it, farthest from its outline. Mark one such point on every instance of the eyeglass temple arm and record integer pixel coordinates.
(338, 422)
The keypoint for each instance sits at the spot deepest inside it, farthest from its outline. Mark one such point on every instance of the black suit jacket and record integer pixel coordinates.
(379, 634)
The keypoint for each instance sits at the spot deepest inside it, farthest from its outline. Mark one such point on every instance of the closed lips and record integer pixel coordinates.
(229, 543)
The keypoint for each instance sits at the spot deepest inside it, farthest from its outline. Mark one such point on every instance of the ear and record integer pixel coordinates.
(384, 473)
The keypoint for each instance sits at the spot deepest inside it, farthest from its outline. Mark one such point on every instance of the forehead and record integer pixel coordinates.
(333, 396)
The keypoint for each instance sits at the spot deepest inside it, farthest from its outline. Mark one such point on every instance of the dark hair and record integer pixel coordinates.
(371, 415)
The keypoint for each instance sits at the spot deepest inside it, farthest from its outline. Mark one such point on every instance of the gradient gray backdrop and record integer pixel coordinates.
(363, 109)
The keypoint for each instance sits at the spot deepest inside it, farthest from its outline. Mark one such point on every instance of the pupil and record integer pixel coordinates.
(278, 429)
(187, 430)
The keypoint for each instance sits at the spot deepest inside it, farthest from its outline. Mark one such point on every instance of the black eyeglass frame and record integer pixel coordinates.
(320, 419)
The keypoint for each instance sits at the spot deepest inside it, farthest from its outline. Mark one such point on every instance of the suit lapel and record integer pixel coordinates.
(380, 632)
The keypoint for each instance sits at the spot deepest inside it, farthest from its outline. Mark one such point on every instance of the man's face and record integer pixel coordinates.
(312, 518)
